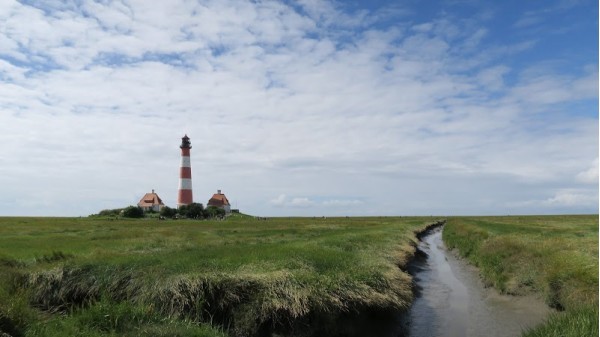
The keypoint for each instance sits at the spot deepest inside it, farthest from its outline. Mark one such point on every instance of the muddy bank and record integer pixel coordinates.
(452, 300)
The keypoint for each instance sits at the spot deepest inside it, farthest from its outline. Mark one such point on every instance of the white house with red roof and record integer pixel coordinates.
(220, 200)
(151, 202)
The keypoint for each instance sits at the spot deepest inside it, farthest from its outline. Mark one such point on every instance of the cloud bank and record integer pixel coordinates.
(304, 108)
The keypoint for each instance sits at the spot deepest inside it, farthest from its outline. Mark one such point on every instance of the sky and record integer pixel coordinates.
(301, 108)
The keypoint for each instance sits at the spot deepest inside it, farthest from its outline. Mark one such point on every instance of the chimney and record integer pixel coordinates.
(152, 191)
(218, 191)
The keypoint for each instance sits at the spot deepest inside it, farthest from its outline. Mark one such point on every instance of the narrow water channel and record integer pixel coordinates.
(452, 301)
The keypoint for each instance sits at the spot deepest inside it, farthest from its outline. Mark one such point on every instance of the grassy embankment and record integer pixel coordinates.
(553, 256)
(242, 276)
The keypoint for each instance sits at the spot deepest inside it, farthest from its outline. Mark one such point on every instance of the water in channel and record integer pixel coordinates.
(452, 301)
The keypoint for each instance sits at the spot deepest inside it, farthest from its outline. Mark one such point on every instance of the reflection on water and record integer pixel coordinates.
(452, 302)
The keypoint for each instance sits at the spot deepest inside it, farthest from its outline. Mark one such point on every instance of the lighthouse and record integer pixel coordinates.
(184, 196)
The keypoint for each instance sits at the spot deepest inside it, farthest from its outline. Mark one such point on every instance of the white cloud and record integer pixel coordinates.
(590, 175)
(493, 77)
(300, 202)
(573, 197)
(296, 202)
(528, 19)
(546, 89)
(279, 201)
(565, 200)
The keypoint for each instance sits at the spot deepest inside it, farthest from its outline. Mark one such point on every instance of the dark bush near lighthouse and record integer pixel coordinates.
(133, 212)
(192, 211)
(168, 212)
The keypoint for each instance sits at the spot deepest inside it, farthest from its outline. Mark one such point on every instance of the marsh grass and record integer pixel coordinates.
(243, 276)
(553, 256)
(580, 322)
(108, 318)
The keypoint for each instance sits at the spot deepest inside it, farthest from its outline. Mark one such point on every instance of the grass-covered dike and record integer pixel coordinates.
(555, 257)
(238, 277)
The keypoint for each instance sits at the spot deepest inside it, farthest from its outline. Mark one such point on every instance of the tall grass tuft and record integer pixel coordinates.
(580, 322)
(61, 288)
(108, 318)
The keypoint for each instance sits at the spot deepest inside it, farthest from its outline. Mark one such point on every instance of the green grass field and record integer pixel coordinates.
(241, 276)
(553, 256)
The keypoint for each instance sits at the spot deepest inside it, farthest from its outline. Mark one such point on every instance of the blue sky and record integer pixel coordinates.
(306, 107)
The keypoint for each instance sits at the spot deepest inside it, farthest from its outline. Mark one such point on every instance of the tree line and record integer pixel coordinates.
(191, 211)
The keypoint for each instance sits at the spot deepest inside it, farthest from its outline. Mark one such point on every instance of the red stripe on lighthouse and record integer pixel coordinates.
(185, 172)
(183, 196)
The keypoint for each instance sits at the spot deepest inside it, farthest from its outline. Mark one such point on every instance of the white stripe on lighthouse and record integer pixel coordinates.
(185, 162)
(185, 184)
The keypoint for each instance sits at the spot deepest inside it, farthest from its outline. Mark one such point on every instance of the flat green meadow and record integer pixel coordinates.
(241, 276)
(245, 276)
(555, 257)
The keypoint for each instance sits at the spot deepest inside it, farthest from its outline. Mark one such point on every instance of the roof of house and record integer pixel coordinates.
(150, 199)
(218, 199)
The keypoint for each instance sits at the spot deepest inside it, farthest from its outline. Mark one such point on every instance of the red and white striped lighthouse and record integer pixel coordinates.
(185, 174)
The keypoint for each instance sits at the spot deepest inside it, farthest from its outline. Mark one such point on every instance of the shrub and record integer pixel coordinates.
(133, 212)
(193, 210)
(109, 212)
(214, 212)
(168, 212)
